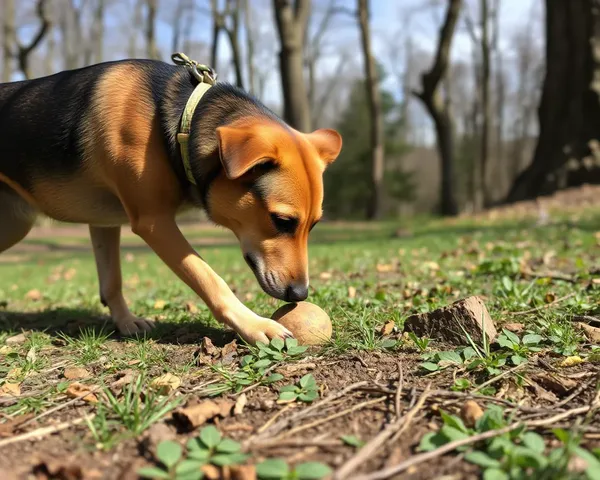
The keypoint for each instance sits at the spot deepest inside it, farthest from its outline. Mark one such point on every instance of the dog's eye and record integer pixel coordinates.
(284, 224)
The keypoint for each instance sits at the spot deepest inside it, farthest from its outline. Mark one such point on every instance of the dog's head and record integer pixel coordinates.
(270, 195)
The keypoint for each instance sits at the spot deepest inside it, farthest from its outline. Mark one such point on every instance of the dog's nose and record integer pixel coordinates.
(296, 293)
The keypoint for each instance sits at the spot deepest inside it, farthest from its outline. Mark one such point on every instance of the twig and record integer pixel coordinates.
(44, 431)
(376, 442)
(399, 390)
(277, 427)
(499, 376)
(62, 405)
(542, 307)
(551, 275)
(269, 422)
(576, 392)
(321, 421)
(423, 457)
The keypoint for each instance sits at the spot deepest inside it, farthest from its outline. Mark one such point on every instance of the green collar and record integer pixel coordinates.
(206, 77)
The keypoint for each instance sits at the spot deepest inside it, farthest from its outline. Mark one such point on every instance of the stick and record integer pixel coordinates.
(399, 390)
(321, 421)
(269, 422)
(423, 457)
(499, 376)
(543, 307)
(376, 442)
(44, 431)
(277, 427)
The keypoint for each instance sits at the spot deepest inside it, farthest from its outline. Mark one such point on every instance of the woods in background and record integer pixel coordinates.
(437, 105)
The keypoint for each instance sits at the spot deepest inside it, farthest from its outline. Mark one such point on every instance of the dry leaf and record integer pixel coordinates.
(129, 257)
(69, 274)
(592, 333)
(351, 292)
(195, 415)
(14, 373)
(5, 350)
(514, 327)
(295, 368)
(8, 428)
(211, 472)
(243, 472)
(77, 389)
(555, 383)
(125, 378)
(33, 295)
(208, 347)
(11, 389)
(384, 267)
(549, 297)
(160, 304)
(165, 384)
(16, 339)
(431, 266)
(240, 404)
(387, 328)
(470, 413)
(325, 275)
(73, 373)
(571, 361)
(191, 307)
(31, 356)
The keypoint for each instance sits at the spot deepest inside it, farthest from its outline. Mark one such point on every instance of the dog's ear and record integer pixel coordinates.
(327, 142)
(241, 148)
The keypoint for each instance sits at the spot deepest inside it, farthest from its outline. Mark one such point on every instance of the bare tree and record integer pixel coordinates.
(9, 35)
(249, 45)
(432, 98)
(24, 50)
(228, 21)
(374, 99)
(291, 17)
(151, 47)
(98, 35)
(133, 32)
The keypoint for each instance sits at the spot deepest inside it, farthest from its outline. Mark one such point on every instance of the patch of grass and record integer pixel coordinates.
(88, 346)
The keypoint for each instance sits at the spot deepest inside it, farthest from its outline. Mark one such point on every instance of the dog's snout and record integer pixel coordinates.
(296, 293)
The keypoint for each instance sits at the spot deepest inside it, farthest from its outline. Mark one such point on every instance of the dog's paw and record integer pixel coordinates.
(132, 325)
(265, 330)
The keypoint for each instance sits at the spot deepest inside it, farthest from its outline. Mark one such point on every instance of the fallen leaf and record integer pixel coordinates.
(191, 307)
(8, 429)
(388, 328)
(592, 333)
(228, 352)
(295, 368)
(5, 350)
(514, 327)
(351, 292)
(549, 297)
(33, 295)
(78, 390)
(325, 275)
(69, 274)
(11, 389)
(208, 347)
(195, 415)
(243, 472)
(31, 355)
(73, 373)
(571, 361)
(16, 339)
(14, 373)
(160, 304)
(125, 378)
(129, 257)
(165, 384)
(211, 472)
(384, 267)
(558, 384)
(431, 265)
(240, 404)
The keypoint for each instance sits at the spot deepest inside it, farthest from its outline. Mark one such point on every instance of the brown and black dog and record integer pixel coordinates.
(99, 146)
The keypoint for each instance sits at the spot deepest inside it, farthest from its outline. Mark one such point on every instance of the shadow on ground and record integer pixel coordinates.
(72, 322)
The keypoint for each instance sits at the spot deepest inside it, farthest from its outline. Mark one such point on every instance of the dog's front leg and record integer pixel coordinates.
(162, 234)
(105, 241)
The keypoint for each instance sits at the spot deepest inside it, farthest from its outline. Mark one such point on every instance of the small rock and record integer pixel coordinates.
(469, 314)
(240, 404)
(470, 413)
(16, 339)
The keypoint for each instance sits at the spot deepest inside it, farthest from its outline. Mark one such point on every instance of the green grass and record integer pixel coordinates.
(363, 276)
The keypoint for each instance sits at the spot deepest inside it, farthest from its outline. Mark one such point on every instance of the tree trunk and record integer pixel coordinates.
(569, 111)
(99, 32)
(485, 103)
(249, 46)
(233, 12)
(137, 20)
(24, 50)
(374, 208)
(9, 35)
(151, 48)
(291, 19)
(431, 96)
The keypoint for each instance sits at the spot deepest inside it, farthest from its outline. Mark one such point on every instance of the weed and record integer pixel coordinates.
(520, 348)
(305, 390)
(278, 469)
(89, 345)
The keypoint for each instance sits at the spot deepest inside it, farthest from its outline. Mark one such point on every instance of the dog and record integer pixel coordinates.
(102, 146)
